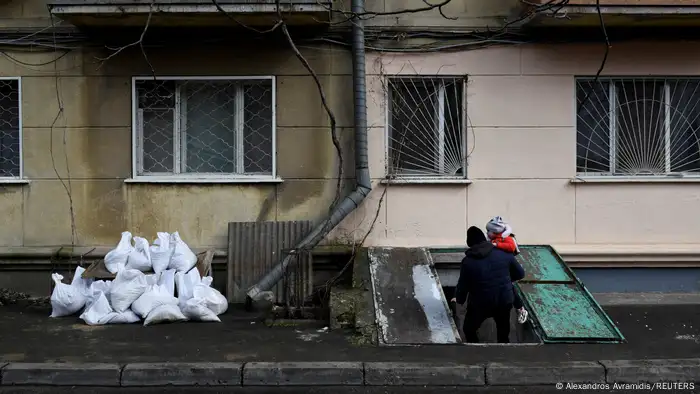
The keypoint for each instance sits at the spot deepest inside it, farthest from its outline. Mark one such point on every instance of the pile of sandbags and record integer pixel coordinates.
(173, 292)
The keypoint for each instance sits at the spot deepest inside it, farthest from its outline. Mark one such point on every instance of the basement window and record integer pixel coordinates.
(425, 130)
(638, 127)
(10, 130)
(204, 128)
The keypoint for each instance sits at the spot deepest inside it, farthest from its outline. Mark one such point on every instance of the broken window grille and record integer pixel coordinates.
(10, 125)
(638, 126)
(205, 127)
(426, 127)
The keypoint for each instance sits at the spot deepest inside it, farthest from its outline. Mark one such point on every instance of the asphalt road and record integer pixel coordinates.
(296, 390)
(306, 390)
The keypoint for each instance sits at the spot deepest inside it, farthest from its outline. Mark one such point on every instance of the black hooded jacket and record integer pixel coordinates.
(486, 276)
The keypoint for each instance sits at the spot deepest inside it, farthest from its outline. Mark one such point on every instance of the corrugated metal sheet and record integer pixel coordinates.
(254, 248)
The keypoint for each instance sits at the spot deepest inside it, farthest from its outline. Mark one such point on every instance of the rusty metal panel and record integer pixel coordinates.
(542, 263)
(410, 306)
(254, 248)
(565, 313)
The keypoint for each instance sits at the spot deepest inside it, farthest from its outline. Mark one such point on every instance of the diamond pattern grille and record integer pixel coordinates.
(9, 128)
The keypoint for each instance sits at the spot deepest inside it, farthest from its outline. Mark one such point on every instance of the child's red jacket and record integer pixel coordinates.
(506, 244)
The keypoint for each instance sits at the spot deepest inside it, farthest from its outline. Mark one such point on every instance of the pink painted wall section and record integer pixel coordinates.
(522, 112)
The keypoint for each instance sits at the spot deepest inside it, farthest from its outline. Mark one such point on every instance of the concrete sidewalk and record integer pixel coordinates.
(240, 352)
(29, 335)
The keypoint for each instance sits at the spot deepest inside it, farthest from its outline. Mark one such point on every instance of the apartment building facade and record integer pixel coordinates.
(471, 114)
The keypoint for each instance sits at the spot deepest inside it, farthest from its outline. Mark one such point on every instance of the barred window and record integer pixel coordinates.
(426, 127)
(638, 126)
(205, 127)
(10, 124)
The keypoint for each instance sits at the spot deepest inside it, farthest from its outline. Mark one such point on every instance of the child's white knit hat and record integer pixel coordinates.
(496, 225)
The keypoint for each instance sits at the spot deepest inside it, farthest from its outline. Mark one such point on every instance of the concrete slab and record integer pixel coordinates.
(2, 366)
(544, 373)
(626, 371)
(303, 374)
(182, 374)
(409, 303)
(61, 374)
(423, 374)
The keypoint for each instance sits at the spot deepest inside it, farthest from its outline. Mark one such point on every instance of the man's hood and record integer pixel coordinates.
(479, 251)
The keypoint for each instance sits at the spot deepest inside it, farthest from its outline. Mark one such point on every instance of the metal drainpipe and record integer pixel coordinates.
(364, 185)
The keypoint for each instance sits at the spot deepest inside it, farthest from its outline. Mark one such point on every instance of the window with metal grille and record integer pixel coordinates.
(426, 127)
(638, 126)
(10, 128)
(217, 127)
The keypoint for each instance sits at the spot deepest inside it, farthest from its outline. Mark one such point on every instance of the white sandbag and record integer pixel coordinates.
(161, 252)
(152, 298)
(80, 282)
(115, 259)
(213, 299)
(100, 312)
(195, 309)
(183, 258)
(66, 299)
(126, 288)
(96, 288)
(152, 279)
(140, 256)
(167, 279)
(126, 317)
(185, 285)
(164, 314)
(94, 313)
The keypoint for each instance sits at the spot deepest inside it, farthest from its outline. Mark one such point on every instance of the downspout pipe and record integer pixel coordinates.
(363, 182)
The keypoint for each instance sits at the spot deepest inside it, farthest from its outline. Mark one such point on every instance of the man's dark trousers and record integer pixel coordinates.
(476, 315)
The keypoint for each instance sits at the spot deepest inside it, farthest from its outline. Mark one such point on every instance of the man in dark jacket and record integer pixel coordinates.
(486, 276)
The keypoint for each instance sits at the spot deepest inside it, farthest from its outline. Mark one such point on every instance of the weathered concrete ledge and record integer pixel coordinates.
(652, 371)
(538, 373)
(418, 374)
(348, 373)
(56, 374)
(182, 374)
(303, 374)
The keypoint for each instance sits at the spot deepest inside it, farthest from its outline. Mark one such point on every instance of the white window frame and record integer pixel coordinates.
(396, 178)
(610, 175)
(137, 137)
(20, 178)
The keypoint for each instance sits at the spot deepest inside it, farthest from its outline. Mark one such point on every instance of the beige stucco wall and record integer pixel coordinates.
(96, 122)
(521, 107)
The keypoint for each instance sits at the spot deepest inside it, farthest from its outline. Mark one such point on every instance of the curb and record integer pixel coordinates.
(686, 371)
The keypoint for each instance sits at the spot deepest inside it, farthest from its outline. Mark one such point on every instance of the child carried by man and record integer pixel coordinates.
(501, 236)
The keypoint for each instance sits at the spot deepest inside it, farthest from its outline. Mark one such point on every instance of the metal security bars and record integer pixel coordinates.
(205, 127)
(426, 127)
(10, 128)
(638, 126)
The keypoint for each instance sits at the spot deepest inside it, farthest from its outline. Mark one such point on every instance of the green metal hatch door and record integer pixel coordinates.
(562, 308)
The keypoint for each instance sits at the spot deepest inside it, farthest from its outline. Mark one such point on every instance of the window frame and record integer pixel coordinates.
(610, 175)
(20, 178)
(428, 179)
(137, 137)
